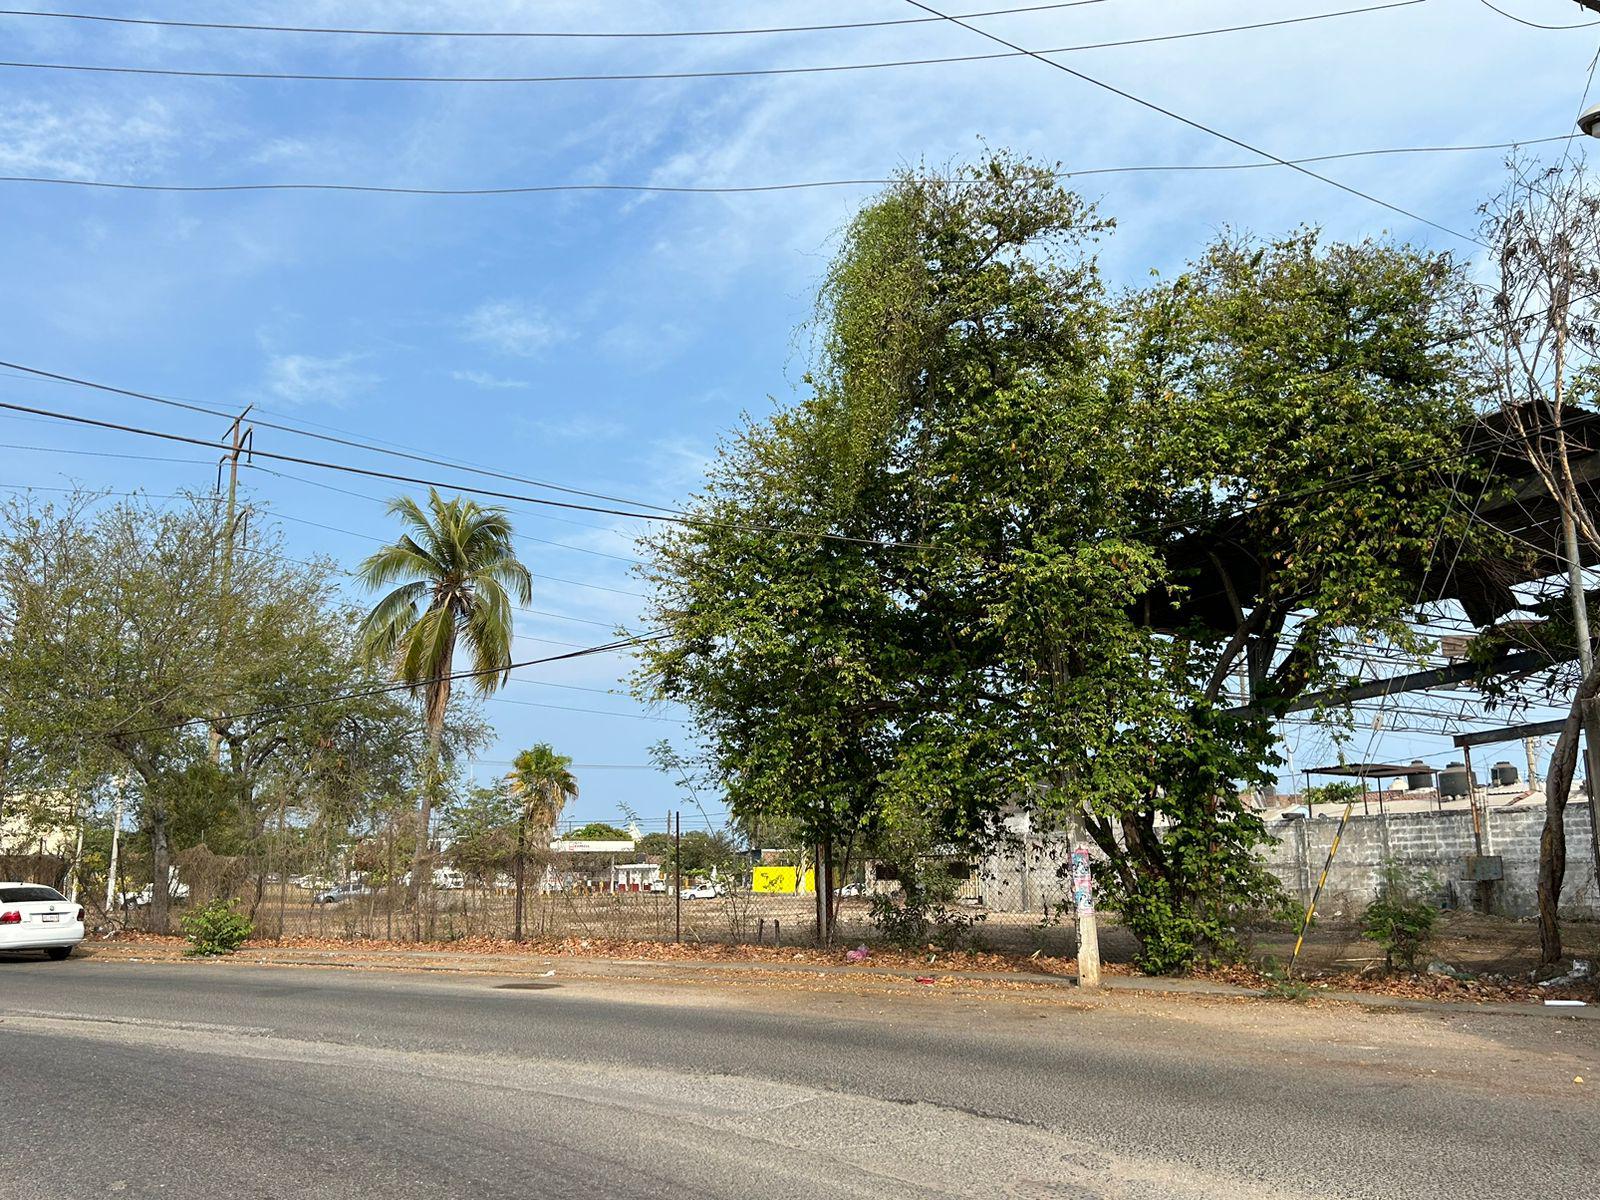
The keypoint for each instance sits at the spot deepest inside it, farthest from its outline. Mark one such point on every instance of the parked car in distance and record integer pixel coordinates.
(176, 893)
(850, 889)
(35, 917)
(704, 891)
(658, 885)
(341, 893)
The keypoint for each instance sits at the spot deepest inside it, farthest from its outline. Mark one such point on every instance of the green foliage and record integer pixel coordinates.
(131, 635)
(543, 782)
(218, 928)
(1280, 986)
(482, 829)
(458, 573)
(922, 913)
(1401, 918)
(1062, 522)
(702, 851)
(599, 831)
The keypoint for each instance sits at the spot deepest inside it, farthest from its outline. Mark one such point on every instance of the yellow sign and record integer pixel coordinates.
(773, 879)
(782, 880)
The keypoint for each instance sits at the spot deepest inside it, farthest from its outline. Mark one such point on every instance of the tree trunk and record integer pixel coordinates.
(522, 844)
(1553, 839)
(438, 701)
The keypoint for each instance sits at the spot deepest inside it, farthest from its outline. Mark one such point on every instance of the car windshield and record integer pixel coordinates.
(21, 895)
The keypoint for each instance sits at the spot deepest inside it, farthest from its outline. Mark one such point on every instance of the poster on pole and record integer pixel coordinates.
(1082, 881)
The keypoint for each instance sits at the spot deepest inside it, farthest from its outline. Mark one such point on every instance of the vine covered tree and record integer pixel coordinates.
(1010, 550)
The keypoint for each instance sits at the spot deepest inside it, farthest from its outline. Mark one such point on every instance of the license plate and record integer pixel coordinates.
(50, 918)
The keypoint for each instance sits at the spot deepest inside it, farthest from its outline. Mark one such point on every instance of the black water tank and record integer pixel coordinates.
(1419, 777)
(1453, 780)
(1502, 774)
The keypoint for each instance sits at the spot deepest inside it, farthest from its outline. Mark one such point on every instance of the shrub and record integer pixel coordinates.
(920, 916)
(1400, 920)
(216, 929)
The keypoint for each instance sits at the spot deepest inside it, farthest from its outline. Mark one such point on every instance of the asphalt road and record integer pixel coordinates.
(226, 1081)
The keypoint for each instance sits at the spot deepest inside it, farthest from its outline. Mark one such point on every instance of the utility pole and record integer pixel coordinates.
(238, 438)
(1083, 900)
(1586, 712)
(116, 838)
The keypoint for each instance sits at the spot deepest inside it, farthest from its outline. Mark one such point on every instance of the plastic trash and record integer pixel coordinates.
(859, 954)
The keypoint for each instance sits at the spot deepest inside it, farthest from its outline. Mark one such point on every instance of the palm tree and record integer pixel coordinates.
(543, 781)
(458, 572)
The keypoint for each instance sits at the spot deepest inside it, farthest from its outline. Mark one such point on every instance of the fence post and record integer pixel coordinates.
(677, 876)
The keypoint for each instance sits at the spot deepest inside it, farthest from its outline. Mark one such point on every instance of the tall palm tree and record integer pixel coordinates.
(458, 574)
(543, 781)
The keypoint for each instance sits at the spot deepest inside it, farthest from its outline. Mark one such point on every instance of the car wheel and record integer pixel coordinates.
(57, 953)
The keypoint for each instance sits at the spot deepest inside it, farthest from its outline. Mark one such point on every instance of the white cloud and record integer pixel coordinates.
(88, 141)
(308, 379)
(490, 382)
(578, 427)
(512, 327)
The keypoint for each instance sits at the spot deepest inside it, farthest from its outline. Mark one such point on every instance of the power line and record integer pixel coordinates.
(740, 189)
(599, 712)
(1039, 55)
(526, 537)
(510, 33)
(191, 406)
(1535, 24)
(690, 520)
(383, 689)
(539, 575)
(676, 518)
(732, 73)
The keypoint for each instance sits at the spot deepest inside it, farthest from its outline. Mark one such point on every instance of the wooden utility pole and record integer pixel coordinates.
(237, 439)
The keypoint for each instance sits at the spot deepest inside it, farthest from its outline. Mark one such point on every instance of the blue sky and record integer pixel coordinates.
(606, 340)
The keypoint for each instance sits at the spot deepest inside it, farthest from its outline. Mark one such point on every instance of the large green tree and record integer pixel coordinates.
(975, 571)
(458, 575)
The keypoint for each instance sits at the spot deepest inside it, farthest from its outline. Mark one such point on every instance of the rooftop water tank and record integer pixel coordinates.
(1419, 777)
(1453, 780)
(1503, 774)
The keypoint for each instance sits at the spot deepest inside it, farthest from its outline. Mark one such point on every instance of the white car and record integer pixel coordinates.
(176, 894)
(35, 917)
(704, 891)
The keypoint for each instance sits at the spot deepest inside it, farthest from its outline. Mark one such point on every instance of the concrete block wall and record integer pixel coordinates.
(1029, 871)
(1438, 844)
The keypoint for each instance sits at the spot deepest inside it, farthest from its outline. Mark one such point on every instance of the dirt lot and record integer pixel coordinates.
(1499, 955)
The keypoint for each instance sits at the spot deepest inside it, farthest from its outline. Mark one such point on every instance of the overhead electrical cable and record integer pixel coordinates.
(729, 73)
(526, 537)
(676, 518)
(1535, 24)
(691, 520)
(383, 689)
(742, 189)
(520, 33)
(350, 443)
(1039, 55)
